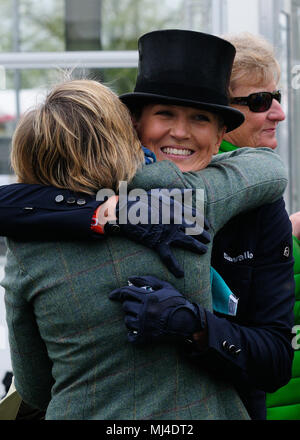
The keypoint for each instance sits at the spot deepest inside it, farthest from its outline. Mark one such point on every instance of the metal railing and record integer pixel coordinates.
(83, 59)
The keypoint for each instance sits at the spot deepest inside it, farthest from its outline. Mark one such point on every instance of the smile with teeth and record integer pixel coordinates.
(177, 151)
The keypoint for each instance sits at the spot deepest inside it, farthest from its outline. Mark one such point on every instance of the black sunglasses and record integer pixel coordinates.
(258, 102)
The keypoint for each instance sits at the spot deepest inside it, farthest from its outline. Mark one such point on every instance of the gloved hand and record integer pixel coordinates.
(154, 309)
(162, 223)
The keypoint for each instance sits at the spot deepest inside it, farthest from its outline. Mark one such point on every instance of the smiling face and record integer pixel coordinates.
(259, 129)
(185, 135)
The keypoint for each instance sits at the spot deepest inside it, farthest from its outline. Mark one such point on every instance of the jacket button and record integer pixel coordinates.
(59, 198)
(115, 228)
(71, 200)
(81, 202)
(233, 350)
(225, 345)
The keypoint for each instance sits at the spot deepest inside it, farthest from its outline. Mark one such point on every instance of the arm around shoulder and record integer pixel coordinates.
(242, 180)
(37, 212)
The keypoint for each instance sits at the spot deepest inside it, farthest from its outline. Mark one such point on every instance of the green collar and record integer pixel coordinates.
(225, 147)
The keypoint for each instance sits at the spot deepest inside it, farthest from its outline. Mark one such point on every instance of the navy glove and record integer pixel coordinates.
(169, 229)
(155, 309)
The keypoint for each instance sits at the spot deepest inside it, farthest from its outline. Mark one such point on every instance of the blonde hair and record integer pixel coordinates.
(255, 62)
(81, 138)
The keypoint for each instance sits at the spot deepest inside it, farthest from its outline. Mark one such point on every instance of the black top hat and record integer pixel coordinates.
(185, 68)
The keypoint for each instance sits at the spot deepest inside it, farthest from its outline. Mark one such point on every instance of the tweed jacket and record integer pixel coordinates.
(68, 343)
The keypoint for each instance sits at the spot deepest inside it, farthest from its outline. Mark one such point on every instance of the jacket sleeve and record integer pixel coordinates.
(233, 182)
(258, 350)
(37, 212)
(240, 181)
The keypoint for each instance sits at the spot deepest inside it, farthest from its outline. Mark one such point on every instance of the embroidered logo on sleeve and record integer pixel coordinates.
(286, 251)
(247, 255)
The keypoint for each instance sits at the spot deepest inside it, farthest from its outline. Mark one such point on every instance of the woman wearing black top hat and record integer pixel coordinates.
(160, 97)
(262, 321)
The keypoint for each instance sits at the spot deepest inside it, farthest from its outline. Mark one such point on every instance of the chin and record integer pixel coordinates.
(271, 145)
(268, 144)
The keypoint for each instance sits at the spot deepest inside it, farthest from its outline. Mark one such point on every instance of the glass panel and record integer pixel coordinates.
(31, 25)
(41, 25)
(6, 35)
(58, 25)
(126, 20)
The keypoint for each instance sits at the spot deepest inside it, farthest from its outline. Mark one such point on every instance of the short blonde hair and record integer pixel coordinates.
(81, 138)
(255, 62)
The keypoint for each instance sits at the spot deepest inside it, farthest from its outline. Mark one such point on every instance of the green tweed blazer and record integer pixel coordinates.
(68, 341)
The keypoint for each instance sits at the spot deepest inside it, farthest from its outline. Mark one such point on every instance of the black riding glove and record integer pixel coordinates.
(155, 309)
(172, 217)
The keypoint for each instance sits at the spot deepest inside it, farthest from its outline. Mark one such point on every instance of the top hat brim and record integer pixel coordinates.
(232, 117)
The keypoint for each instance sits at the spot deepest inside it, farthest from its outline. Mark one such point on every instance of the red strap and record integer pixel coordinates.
(95, 225)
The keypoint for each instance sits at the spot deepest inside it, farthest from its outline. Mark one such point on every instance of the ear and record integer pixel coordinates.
(220, 137)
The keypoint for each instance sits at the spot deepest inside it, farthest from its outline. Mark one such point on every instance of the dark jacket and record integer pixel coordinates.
(284, 404)
(253, 253)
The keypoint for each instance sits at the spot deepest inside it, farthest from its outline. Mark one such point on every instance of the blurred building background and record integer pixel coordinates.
(41, 41)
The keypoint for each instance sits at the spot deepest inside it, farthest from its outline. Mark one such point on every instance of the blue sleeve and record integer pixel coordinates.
(258, 350)
(37, 212)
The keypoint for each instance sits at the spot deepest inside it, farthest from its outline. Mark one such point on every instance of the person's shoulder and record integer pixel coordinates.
(277, 206)
(274, 231)
(274, 212)
(243, 221)
(274, 215)
(258, 219)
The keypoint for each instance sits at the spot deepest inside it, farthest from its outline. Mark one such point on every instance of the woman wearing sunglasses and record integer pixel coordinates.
(254, 91)
(251, 251)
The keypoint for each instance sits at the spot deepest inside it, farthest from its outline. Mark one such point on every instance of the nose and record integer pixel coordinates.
(180, 128)
(276, 112)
